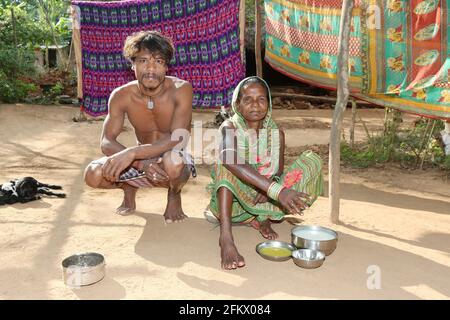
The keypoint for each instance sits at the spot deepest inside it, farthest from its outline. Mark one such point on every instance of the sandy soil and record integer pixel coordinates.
(396, 221)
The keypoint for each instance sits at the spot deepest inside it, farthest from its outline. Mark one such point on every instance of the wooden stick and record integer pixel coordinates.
(242, 29)
(70, 56)
(76, 39)
(318, 98)
(13, 18)
(352, 126)
(428, 143)
(341, 103)
(422, 144)
(47, 58)
(258, 60)
(365, 127)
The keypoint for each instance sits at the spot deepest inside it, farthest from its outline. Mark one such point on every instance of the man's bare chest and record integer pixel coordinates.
(151, 120)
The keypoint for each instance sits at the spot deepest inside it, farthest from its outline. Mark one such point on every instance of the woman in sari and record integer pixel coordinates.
(249, 184)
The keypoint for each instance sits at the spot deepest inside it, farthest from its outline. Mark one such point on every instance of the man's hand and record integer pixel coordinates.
(154, 172)
(293, 201)
(116, 163)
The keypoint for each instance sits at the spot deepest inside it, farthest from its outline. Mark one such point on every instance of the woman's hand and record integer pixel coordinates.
(260, 198)
(116, 163)
(293, 201)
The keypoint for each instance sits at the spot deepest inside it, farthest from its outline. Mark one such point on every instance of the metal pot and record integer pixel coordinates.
(307, 258)
(314, 238)
(83, 269)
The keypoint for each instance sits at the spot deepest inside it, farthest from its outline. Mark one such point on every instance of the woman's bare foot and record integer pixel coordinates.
(264, 228)
(174, 212)
(231, 259)
(128, 205)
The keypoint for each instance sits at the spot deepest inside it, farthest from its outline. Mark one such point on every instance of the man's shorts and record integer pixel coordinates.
(137, 178)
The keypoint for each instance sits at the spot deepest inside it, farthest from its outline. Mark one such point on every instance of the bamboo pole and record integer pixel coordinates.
(78, 61)
(242, 29)
(341, 103)
(76, 40)
(258, 60)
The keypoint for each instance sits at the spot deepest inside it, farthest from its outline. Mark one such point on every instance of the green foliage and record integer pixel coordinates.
(28, 30)
(417, 147)
(250, 24)
(62, 28)
(14, 90)
(57, 89)
(445, 163)
(53, 14)
(250, 11)
(365, 155)
(25, 25)
(16, 62)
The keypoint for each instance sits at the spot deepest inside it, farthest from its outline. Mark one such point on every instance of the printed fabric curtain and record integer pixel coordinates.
(205, 34)
(399, 50)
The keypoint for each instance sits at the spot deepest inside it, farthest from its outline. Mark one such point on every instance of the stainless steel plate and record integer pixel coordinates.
(276, 246)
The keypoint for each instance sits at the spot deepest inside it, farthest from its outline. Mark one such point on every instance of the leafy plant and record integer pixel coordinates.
(14, 90)
(22, 29)
(57, 89)
(415, 147)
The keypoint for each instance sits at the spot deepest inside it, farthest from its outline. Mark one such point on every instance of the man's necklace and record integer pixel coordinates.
(150, 103)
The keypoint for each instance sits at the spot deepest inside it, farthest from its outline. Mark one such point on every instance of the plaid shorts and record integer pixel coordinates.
(137, 178)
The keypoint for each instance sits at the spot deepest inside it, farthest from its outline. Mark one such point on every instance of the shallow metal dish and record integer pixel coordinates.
(314, 238)
(274, 244)
(307, 258)
(83, 269)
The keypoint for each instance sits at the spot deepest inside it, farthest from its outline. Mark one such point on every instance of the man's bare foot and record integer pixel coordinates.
(231, 259)
(128, 205)
(174, 212)
(264, 228)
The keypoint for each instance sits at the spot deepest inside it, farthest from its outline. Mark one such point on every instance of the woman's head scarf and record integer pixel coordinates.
(261, 152)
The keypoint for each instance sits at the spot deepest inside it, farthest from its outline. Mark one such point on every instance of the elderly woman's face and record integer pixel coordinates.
(253, 104)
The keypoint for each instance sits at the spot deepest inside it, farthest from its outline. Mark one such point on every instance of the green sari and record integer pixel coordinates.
(262, 153)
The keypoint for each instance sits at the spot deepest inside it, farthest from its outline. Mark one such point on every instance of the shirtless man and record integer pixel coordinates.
(159, 107)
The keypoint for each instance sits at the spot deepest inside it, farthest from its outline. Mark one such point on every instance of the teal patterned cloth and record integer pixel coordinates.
(399, 50)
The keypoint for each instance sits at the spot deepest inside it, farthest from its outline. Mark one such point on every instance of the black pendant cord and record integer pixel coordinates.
(150, 103)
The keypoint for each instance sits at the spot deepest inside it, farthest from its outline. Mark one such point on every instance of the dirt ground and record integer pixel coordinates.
(394, 222)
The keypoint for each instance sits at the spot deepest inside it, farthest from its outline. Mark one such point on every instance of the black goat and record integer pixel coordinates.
(25, 190)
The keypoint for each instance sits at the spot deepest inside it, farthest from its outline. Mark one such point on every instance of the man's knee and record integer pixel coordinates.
(173, 165)
(93, 175)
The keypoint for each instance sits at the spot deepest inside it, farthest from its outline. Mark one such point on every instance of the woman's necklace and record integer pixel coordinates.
(150, 103)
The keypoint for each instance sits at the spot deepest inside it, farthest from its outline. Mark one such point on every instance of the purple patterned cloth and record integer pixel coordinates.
(205, 34)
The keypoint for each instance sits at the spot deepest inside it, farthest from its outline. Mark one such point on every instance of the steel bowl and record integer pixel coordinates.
(83, 269)
(307, 258)
(274, 244)
(314, 238)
